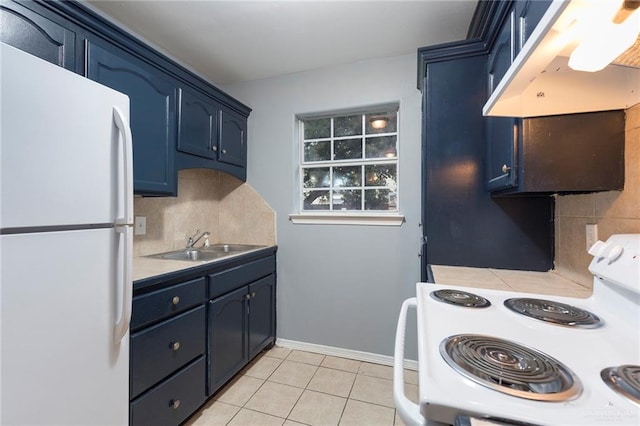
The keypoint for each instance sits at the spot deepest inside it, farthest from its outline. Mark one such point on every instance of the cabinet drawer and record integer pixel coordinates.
(166, 302)
(226, 281)
(160, 350)
(172, 401)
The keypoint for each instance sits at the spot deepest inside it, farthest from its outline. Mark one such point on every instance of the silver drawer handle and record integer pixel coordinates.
(224, 151)
(175, 346)
(214, 148)
(505, 168)
(174, 403)
(175, 300)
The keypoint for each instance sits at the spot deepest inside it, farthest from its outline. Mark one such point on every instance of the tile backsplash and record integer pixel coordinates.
(615, 212)
(208, 200)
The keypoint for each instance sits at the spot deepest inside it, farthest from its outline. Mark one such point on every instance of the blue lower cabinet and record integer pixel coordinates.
(173, 400)
(262, 315)
(153, 115)
(192, 332)
(227, 337)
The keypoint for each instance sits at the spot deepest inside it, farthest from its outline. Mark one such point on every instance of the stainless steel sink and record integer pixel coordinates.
(229, 248)
(203, 254)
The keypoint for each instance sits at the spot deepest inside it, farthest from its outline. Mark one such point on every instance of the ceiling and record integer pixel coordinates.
(228, 41)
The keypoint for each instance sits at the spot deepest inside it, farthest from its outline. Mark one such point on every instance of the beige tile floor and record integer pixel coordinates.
(290, 387)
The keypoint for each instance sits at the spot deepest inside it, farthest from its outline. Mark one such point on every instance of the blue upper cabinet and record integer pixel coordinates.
(198, 124)
(501, 131)
(211, 135)
(233, 138)
(152, 111)
(31, 32)
(528, 13)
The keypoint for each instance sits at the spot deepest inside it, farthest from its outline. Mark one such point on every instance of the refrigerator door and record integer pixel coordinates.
(60, 302)
(60, 147)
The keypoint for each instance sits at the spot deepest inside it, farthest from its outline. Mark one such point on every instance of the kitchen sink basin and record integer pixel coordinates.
(203, 254)
(229, 248)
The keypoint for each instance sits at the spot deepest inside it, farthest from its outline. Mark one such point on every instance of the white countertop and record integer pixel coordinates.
(502, 279)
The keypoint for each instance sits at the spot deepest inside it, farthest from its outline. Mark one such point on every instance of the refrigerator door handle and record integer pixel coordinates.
(122, 324)
(123, 226)
(127, 165)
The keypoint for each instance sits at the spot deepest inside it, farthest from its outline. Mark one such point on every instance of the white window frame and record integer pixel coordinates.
(345, 217)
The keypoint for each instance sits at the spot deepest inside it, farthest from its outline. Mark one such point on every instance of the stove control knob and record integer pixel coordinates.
(614, 253)
(597, 250)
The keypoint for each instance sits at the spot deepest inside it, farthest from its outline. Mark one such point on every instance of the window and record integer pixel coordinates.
(349, 163)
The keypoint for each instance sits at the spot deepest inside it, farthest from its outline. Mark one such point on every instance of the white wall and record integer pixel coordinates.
(338, 285)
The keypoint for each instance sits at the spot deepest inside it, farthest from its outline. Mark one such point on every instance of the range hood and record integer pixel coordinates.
(540, 82)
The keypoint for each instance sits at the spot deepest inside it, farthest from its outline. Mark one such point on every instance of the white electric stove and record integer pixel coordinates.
(529, 358)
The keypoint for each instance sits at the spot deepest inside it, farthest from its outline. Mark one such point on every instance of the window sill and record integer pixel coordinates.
(347, 219)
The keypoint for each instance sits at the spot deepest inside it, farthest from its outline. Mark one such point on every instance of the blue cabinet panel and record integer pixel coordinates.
(231, 279)
(198, 125)
(227, 337)
(26, 30)
(161, 304)
(172, 401)
(262, 315)
(158, 351)
(501, 131)
(233, 138)
(152, 114)
(528, 14)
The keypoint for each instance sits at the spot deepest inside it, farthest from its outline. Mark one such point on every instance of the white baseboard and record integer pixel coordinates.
(344, 353)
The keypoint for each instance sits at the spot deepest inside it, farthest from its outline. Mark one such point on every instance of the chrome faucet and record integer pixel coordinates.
(193, 239)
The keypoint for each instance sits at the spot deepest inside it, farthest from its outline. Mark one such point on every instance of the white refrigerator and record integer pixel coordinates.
(66, 217)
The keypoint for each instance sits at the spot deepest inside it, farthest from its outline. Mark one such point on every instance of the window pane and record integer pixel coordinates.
(384, 122)
(380, 175)
(316, 177)
(381, 147)
(347, 126)
(379, 199)
(347, 149)
(316, 129)
(317, 151)
(347, 176)
(315, 200)
(349, 199)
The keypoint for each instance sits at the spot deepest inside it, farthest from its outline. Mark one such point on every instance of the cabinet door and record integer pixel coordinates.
(37, 35)
(261, 314)
(502, 155)
(502, 52)
(501, 131)
(528, 14)
(153, 115)
(198, 125)
(227, 337)
(233, 138)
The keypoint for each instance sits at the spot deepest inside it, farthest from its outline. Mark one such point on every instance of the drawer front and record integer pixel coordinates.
(162, 349)
(166, 302)
(172, 401)
(226, 281)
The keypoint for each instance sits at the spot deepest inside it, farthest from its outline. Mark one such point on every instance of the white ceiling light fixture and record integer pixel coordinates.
(608, 33)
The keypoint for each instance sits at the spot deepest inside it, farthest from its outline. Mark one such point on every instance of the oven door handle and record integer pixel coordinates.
(408, 411)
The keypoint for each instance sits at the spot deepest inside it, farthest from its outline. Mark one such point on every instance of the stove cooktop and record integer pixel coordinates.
(526, 358)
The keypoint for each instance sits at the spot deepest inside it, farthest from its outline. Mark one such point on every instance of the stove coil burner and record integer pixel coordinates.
(624, 379)
(554, 312)
(510, 368)
(460, 298)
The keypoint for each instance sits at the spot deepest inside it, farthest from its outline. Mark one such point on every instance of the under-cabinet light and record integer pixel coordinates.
(605, 40)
